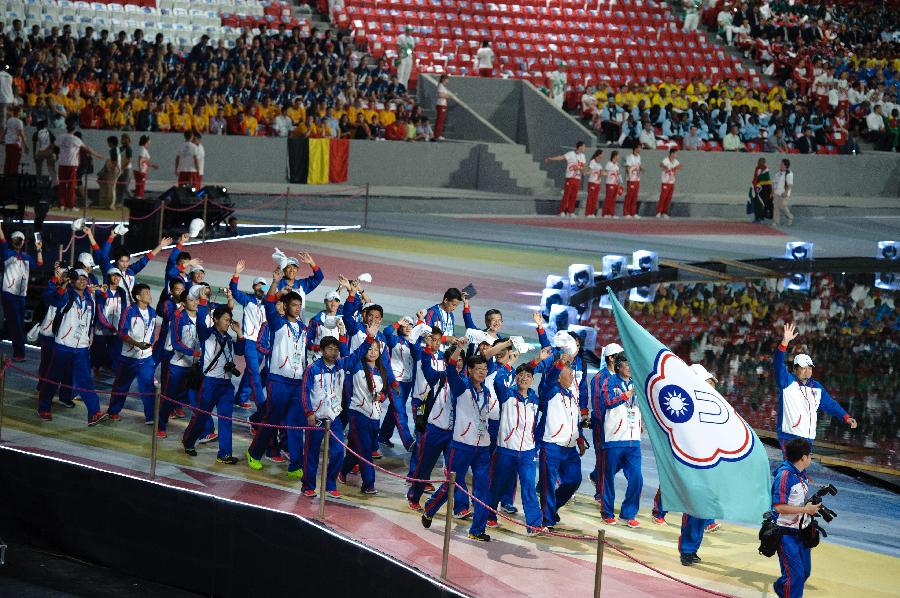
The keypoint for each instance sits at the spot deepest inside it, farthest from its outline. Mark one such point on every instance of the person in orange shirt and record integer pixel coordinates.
(199, 121)
(251, 124)
(386, 116)
(163, 120)
(181, 122)
(297, 113)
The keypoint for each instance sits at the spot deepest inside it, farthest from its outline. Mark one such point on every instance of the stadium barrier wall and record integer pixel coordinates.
(186, 539)
(466, 165)
(464, 122)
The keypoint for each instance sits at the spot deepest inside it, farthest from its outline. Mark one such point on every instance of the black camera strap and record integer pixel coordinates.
(219, 352)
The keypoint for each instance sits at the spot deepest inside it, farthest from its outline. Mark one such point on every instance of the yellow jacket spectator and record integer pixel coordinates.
(163, 121)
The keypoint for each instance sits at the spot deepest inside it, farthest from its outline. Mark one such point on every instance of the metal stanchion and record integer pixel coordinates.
(205, 211)
(601, 540)
(324, 470)
(72, 251)
(2, 391)
(162, 218)
(287, 196)
(445, 557)
(366, 209)
(154, 442)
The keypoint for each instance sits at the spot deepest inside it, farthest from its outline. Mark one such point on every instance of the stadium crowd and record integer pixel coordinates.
(851, 329)
(278, 83)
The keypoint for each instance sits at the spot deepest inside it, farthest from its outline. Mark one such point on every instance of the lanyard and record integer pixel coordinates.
(146, 322)
(629, 402)
(294, 337)
(446, 323)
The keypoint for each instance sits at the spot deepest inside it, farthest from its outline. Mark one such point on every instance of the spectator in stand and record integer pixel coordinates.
(892, 131)
(218, 124)
(424, 132)
(732, 141)
(807, 143)
(361, 128)
(405, 45)
(440, 107)
(692, 141)
(777, 143)
(484, 59)
(144, 166)
(14, 141)
(396, 131)
(691, 15)
(283, 124)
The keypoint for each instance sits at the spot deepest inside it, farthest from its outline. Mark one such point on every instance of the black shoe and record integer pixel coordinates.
(387, 442)
(70, 403)
(190, 451)
(482, 537)
(695, 557)
(689, 559)
(426, 521)
(228, 460)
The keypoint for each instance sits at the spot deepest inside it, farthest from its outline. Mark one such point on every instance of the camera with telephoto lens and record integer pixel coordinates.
(816, 499)
(231, 369)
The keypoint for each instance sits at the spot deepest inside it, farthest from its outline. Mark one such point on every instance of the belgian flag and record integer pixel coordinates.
(318, 161)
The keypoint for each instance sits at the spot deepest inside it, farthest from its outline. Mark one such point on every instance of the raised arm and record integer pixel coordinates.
(454, 378)
(467, 313)
(782, 376)
(310, 283)
(542, 335)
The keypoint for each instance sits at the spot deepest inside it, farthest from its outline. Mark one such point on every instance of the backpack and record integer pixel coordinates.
(60, 313)
(423, 411)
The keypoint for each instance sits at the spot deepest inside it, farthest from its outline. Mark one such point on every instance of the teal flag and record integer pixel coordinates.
(711, 464)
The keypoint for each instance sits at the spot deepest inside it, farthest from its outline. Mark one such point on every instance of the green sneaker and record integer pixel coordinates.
(296, 474)
(252, 463)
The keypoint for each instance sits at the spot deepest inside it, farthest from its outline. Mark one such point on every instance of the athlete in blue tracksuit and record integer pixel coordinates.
(621, 438)
(254, 315)
(501, 380)
(107, 347)
(789, 488)
(185, 354)
(471, 444)
(402, 361)
(562, 443)
(216, 390)
(137, 328)
(800, 397)
(369, 384)
(165, 308)
(16, 267)
(514, 456)
(46, 338)
(595, 398)
(284, 381)
(322, 398)
(73, 327)
(441, 315)
(301, 286)
(434, 441)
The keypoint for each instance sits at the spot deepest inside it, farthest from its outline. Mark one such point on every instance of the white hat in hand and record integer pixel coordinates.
(77, 224)
(195, 227)
(121, 229)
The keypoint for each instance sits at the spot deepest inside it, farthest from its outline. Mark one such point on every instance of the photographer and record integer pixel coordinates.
(788, 497)
(137, 329)
(216, 389)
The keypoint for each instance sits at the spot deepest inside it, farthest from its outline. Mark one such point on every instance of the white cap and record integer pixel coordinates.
(612, 349)
(702, 372)
(409, 320)
(289, 261)
(112, 271)
(86, 259)
(195, 290)
(17, 235)
(77, 224)
(564, 341)
(365, 277)
(259, 279)
(121, 229)
(195, 227)
(197, 268)
(81, 273)
(332, 296)
(803, 360)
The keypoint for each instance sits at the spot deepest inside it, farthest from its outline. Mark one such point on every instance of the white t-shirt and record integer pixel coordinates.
(68, 146)
(612, 173)
(595, 171)
(43, 140)
(484, 58)
(782, 181)
(6, 90)
(668, 173)
(186, 154)
(201, 159)
(442, 93)
(574, 164)
(633, 164)
(14, 128)
(143, 160)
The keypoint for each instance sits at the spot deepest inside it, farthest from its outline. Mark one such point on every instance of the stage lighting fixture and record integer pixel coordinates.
(581, 276)
(800, 250)
(643, 294)
(551, 297)
(889, 281)
(588, 336)
(644, 261)
(614, 266)
(798, 281)
(888, 250)
(554, 281)
(560, 318)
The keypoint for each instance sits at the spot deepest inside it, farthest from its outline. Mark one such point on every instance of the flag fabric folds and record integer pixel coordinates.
(711, 464)
(318, 161)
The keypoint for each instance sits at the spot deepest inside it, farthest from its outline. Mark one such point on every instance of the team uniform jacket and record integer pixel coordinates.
(323, 384)
(211, 342)
(560, 414)
(789, 487)
(184, 338)
(432, 367)
(470, 409)
(110, 306)
(401, 354)
(518, 417)
(361, 399)
(798, 404)
(288, 355)
(74, 320)
(140, 326)
(318, 329)
(620, 416)
(16, 267)
(254, 312)
(101, 257)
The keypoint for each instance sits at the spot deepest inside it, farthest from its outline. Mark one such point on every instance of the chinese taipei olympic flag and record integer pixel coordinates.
(711, 464)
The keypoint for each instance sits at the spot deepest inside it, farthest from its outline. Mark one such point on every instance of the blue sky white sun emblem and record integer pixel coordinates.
(676, 404)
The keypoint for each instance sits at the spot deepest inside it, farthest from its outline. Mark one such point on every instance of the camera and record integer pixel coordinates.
(231, 369)
(816, 499)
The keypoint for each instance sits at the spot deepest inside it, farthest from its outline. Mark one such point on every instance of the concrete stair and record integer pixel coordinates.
(522, 168)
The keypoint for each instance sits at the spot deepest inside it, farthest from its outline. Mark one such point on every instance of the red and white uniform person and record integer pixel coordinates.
(595, 172)
(633, 184)
(613, 188)
(13, 139)
(574, 167)
(186, 164)
(69, 146)
(670, 166)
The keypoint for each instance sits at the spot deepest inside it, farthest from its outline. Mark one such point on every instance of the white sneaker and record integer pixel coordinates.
(562, 214)
(615, 217)
(627, 216)
(591, 215)
(638, 216)
(659, 215)
(666, 216)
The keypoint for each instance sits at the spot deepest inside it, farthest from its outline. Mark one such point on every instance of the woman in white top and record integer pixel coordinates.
(781, 186)
(14, 140)
(595, 172)
(613, 185)
(143, 166)
(484, 59)
(440, 107)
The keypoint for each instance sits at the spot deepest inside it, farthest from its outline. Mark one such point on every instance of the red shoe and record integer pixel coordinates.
(246, 405)
(45, 415)
(493, 524)
(276, 459)
(115, 417)
(162, 434)
(334, 494)
(632, 523)
(208, 438)
(429, 487)
(660, 521)
(609, 520)
(463, 514)
(97, 418)
(355, 470)
(414, 505)
(712, 527)
(310, 493)
(376, 455)
(179, 413)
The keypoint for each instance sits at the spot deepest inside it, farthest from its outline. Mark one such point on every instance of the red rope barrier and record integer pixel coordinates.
(27, 374)
(382, 469)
